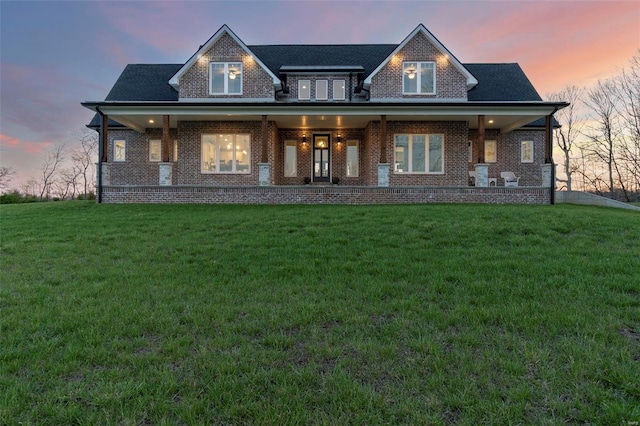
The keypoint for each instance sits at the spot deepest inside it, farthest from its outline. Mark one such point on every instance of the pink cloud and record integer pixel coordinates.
(165, 26)
(556, 43)
(25, 146)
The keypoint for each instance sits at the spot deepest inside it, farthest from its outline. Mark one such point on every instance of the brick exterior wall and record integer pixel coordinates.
(508, 155)
(455, 152)
(324, 195)
(188, 169)
(450, 83)
(256, 82)
(138, 170)
(304, 155)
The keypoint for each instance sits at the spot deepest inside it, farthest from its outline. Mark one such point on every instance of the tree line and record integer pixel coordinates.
(599, 136)
(65, 173)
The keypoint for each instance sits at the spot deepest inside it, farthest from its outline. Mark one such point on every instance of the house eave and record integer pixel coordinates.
(506, 116)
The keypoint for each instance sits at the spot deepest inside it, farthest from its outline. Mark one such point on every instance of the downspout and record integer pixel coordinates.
(100, 154)
(553, 168)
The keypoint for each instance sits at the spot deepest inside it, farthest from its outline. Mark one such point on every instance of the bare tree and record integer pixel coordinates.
(603, 134)
(6, 174)
(628, 109)
(571, 127)
(48, 168)
(84, 157)
(66, 186)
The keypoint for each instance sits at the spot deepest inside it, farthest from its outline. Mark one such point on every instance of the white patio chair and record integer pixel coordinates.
(510, 178)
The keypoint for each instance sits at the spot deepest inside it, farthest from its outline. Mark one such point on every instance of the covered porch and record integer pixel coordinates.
(322, 138)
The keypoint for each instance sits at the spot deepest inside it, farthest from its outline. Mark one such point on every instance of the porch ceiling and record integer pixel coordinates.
(505, 117)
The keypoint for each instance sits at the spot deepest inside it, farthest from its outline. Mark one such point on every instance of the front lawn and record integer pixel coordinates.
(423, 314)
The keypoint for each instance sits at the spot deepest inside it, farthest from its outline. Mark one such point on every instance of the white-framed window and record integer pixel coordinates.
(155, 150)
(490, 151)
(119, 150)
(338, 90)
(526, 151)
(418, 78)
(322, 90)
(225, 78)
(226, 153)
(175, 150)
(304, 90)
(290, 158)
(419, 153)
(353, 169)
(470, 145)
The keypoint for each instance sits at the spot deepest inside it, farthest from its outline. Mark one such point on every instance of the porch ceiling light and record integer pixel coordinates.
(151, 121)
(490, 121)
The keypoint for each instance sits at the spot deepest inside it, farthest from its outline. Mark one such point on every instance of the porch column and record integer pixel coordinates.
(383, 166)
(548, 168)
(165, 169)
(102, 169)
(383, 139)
(104, 134)
(264, 168)
(482, 169)
(480, 139)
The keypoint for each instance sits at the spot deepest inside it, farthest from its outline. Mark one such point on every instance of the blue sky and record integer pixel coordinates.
(54, 55)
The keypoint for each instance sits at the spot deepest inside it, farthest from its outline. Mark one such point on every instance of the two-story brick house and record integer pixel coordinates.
(280, 123)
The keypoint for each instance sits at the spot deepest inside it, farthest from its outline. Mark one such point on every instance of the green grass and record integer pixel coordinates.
(426, 314)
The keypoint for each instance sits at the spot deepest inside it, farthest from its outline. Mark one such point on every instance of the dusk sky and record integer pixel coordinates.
(54, 55)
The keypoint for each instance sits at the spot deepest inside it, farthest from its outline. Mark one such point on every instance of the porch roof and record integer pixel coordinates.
(505, 116)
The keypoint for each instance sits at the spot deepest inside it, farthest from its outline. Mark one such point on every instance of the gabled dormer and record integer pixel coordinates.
(225, 69)
(420, 68)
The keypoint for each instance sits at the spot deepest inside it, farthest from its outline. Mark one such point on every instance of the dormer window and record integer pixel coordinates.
(418, 78)
(225, 78)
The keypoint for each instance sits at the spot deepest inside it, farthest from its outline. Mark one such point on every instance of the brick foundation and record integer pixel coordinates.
(324, 195)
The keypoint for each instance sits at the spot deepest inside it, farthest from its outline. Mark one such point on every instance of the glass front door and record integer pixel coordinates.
(321, 167)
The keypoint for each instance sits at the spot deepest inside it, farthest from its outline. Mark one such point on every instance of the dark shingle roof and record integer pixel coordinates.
(369, 56)
(149, 82)
(145, 82)
(501, 82)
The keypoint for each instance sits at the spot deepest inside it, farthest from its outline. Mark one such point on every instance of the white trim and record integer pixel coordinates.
(322, 95)
(288, 143)
(124, 151)
(341, 89)
(357, 145)
(410, 155)
(471, 80)
(522, 150)
(225, 82)
(216, 156)
(495, 144)
(307, 96)
(159, 143)
(418, 78)
(175, 80)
